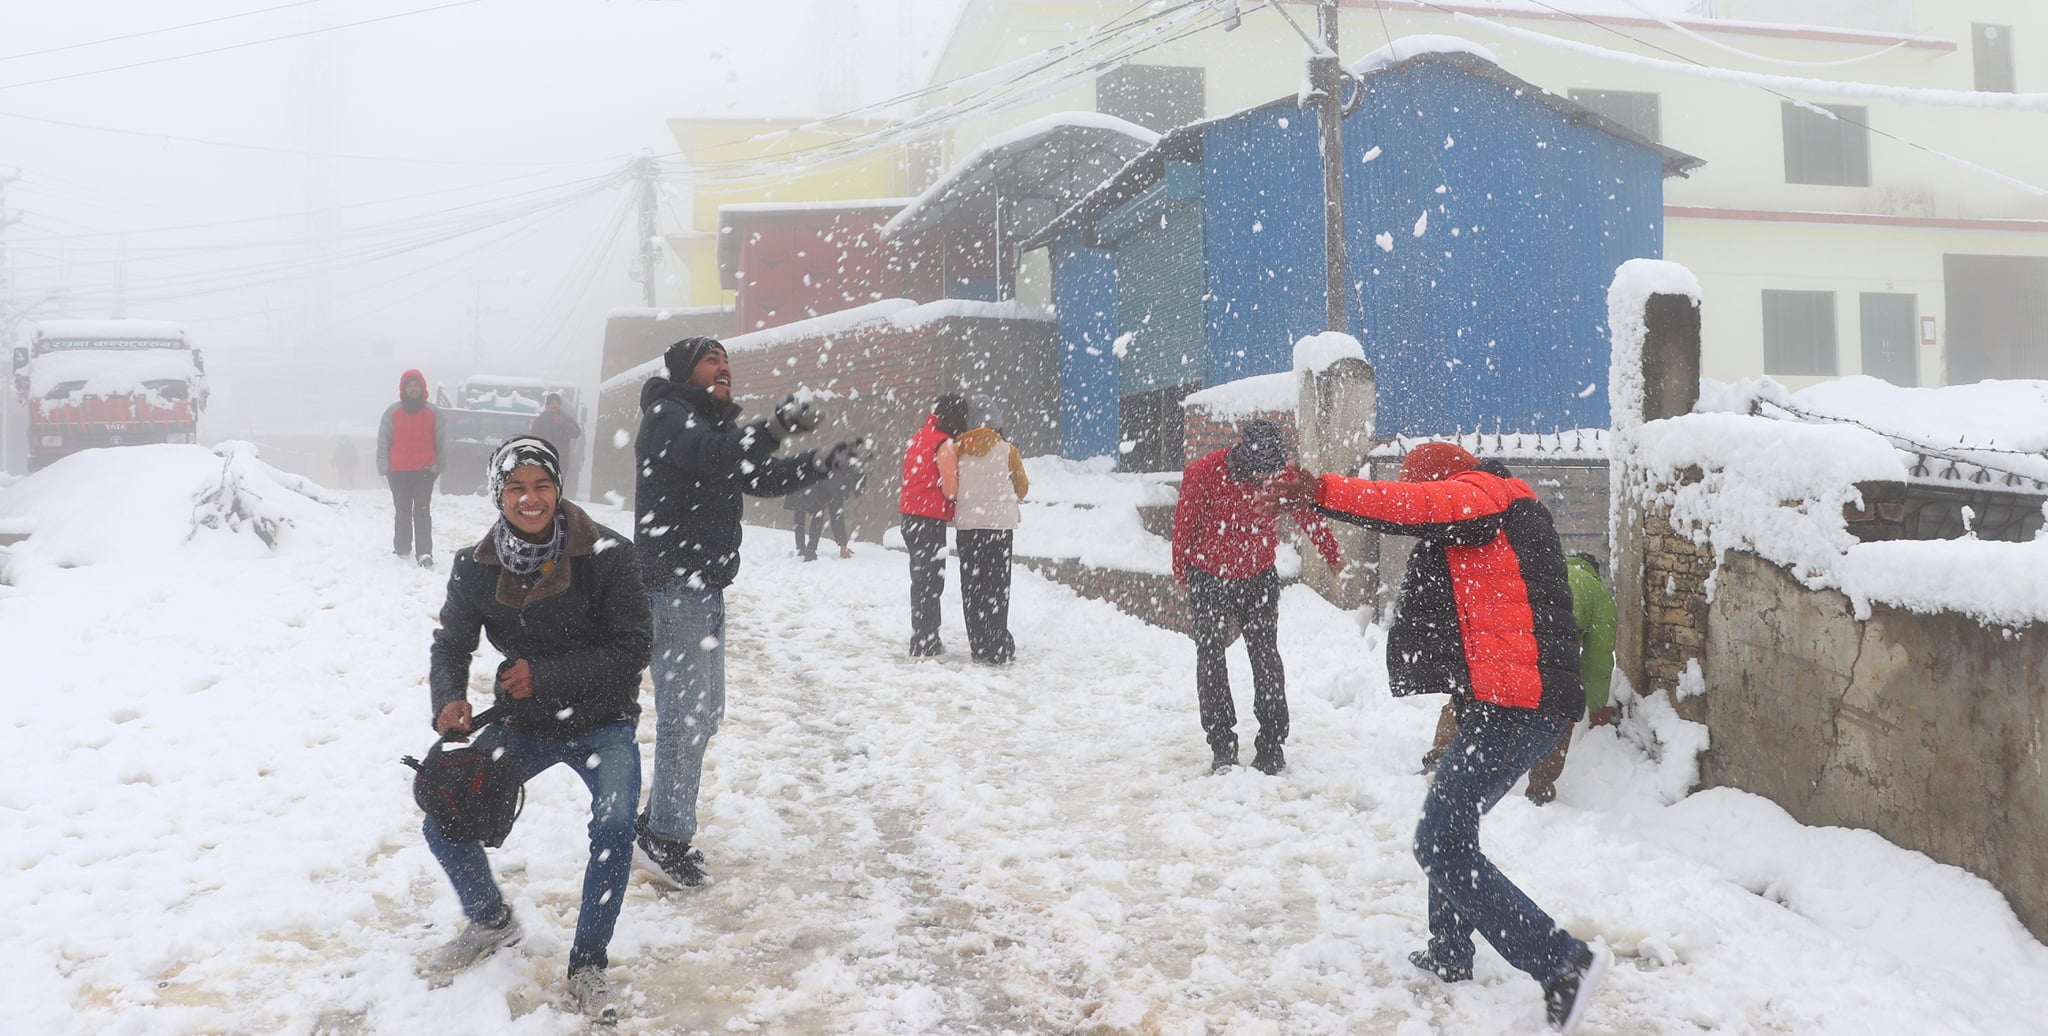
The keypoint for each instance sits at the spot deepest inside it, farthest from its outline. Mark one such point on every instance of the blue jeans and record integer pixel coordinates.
(608, 760)
(689, 701)
(1467, 893)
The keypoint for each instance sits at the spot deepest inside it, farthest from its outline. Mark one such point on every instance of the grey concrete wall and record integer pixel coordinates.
(1926, 729)
(1574, 490)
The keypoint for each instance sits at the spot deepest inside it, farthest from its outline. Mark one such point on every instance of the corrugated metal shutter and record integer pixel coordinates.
(1162, 280)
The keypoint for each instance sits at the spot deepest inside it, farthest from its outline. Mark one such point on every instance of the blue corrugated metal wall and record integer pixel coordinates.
(1084, 296)
(1495, 316)
(1263, 185)
(1161, 283)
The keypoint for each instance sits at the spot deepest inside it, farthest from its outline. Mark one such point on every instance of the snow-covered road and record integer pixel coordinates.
(204, 828)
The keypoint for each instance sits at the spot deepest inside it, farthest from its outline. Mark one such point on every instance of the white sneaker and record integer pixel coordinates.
(591, 994)
(474, 943)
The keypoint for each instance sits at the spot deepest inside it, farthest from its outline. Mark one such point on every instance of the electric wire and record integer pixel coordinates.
(155, 32)
(237, 46)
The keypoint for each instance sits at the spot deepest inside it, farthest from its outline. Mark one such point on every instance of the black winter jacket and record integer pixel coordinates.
(582, 626)
(694, 462)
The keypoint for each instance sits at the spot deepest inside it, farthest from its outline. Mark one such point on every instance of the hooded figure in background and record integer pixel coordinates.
(1485, 615)
(1224, 549)
(696, 462)
(556, 426)
(925, 509)
(982, 473)
(409, 449)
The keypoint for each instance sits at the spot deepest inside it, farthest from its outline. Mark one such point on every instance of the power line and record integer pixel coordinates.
(153, 32)
(268, 149)
(238, 46)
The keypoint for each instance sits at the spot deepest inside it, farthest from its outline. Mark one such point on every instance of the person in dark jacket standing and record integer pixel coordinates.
(925, 511)
(1485, 614)
(1223, 552)
(560, 597)
(557, 427)
(409, 451)
(694, 463)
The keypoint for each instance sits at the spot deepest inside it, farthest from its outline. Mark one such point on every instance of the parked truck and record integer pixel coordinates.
(486, 410)
(88, 384)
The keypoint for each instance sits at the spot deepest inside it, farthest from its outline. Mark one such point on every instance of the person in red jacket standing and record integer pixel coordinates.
(925, 511)
(1223, 545)
(1485, 614)
(409, 457)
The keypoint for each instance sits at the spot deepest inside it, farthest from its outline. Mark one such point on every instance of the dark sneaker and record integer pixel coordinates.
(1269, 760)
(667, 861)
(1566, 996)
(1223, 760)
(590, 993)
(1443, 972)
(426, 561)
(471, 945)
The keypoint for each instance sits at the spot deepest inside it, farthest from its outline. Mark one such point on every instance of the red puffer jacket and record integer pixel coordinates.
(1218, 527)
(922, 496)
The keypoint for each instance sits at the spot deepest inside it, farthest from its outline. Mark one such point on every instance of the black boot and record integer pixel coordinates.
(1223, 758)
(1269, 760)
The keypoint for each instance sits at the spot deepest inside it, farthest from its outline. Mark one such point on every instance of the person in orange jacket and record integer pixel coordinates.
(1485, 614)
(409, 450)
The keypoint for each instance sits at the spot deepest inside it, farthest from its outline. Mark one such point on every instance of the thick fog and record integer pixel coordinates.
(328, 193)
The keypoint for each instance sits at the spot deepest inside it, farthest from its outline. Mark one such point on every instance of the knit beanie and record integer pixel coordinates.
(1262, 449)
(523, 449)
(682, 357)
(951, 410)
(1436, 461)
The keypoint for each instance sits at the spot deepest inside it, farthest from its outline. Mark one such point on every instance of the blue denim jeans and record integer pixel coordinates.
(608, 760)
(1467, 893)
(689, 701)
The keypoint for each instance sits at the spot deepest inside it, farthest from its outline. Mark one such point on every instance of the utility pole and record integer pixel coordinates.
(1326, 86)
(650, 254)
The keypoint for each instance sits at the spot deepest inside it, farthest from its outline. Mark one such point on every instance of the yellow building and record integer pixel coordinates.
(1875, 198)
(765, 160)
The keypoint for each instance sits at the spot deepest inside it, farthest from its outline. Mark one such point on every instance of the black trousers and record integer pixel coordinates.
(809, 525)
(985, 592)
(925, 539)
(412, 522)
(1254, 604)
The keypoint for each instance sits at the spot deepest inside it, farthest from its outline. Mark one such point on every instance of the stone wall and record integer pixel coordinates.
(1674, 620)
(1923, 728)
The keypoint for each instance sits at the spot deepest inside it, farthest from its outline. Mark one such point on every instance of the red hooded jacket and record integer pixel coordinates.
(409, 440)
(1218, 527)
(922, 496)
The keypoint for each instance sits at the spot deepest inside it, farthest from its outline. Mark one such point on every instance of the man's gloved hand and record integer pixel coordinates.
(843, 456)
(795, 415)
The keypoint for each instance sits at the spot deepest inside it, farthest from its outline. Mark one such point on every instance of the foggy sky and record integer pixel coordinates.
(527, 93)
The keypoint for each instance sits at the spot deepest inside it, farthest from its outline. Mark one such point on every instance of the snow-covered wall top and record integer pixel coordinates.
(1315, 353)
(1777, 488)
(901, 313)
(1258, 394)
(1578, 444)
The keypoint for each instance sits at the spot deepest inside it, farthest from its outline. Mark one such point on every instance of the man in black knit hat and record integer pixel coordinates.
(693, 463)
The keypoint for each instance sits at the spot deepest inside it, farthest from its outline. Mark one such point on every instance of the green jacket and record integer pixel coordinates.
(1593, 611)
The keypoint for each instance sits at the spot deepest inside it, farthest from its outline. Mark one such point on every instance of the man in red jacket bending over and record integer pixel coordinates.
(1485, 615)
(1223, 547)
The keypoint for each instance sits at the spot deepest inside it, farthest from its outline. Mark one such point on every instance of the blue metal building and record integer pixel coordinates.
(1485, 219)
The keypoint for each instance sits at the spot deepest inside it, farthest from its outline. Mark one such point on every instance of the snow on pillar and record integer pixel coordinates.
(1653, 315)
(1339, 392)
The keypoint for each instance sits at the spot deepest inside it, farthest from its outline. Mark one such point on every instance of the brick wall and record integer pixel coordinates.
(1206, 432)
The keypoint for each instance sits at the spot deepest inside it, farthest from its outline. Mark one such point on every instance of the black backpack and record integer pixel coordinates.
(471, 790)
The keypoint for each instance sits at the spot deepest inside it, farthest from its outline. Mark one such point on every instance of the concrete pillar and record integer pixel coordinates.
(1667, 385)
(1336, 422)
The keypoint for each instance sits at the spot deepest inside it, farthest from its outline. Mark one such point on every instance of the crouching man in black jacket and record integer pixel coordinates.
(561, 598)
